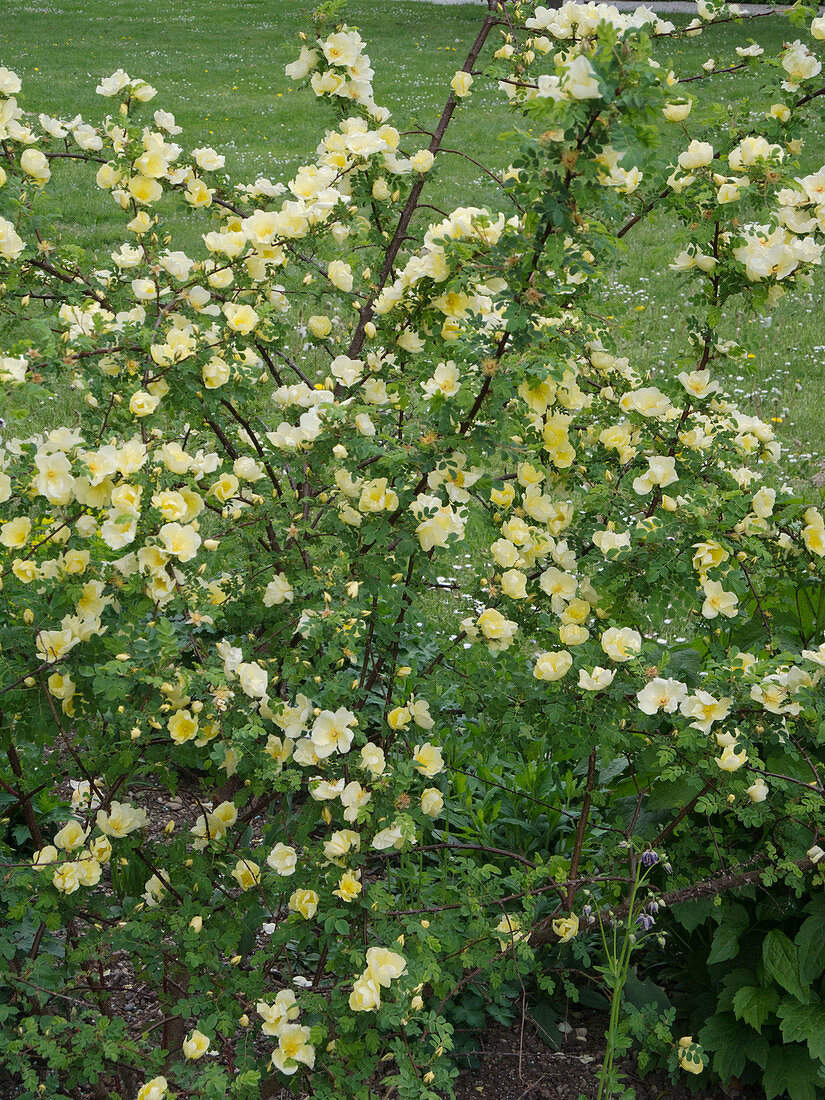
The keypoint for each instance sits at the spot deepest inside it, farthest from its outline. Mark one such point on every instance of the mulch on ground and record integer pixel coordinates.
(515, 1064)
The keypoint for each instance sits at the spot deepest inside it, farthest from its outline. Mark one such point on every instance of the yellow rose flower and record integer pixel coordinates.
(240, 318)
(428, 759)
(553, 665)
(15, 533)
(304, 902)
(71, 836)
(566, 927)
(65, 878)
(44, 857)
(142, 403)
(349, 886)
(195, 1046)
(461, 84)
(366, 994)
(183, 727)
(153, 1090)
(383, 965)
(247, 874)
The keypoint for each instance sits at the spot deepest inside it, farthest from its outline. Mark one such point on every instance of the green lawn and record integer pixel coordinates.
(219, 68)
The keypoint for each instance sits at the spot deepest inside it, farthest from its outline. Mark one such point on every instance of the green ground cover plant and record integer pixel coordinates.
(389, 629)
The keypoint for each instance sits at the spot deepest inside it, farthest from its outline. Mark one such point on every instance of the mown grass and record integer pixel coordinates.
(219, 68)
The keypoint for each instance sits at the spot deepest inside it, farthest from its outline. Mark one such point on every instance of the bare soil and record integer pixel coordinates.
(515, 1064)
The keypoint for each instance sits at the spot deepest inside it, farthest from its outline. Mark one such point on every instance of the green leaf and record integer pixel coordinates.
(810, 940)
(546, 1020)
(725, 943)
(640, 993)
(789, 1068)
(804, 1023)
(732, 1044)
(690, 914)
(780, 958)
(754, 1005)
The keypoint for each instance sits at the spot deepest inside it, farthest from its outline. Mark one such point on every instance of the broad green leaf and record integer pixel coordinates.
(725, 944)
(804, 1023)
(810, 941)
(732, 1044)
(690, 914)
(780, 958)
(754, 1005)
(790, 1069)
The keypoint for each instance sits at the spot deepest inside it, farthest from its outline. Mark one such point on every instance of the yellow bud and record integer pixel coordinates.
(326, 814)
(235, 960)
(188, 863)
(28, 616)
(196, 923)
(197, 706)
(135, 733)
(123, 657)
(370, 330)
(30, 681)
(244, 1020)
(121, 709)
(169, 827)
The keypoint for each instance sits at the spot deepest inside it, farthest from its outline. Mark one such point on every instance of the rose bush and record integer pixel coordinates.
(355, 505)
